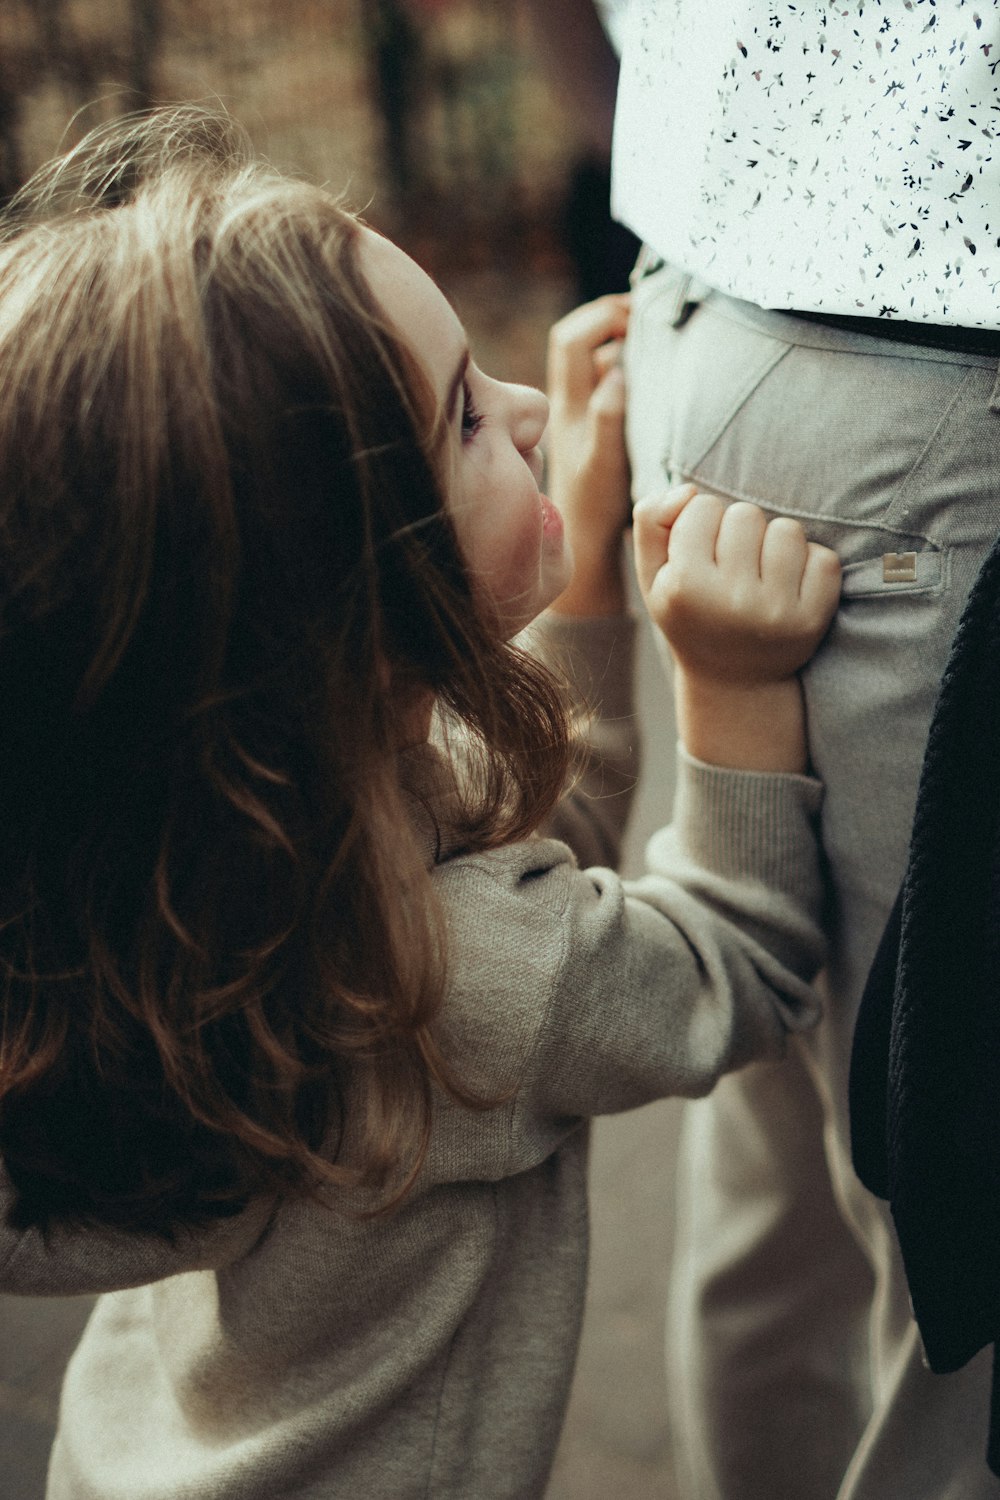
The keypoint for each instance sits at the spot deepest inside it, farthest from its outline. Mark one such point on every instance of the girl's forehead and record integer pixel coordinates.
(418, 309)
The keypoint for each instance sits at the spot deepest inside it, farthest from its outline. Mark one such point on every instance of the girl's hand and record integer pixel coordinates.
(741, 599)
(744, 602)
(588, 474)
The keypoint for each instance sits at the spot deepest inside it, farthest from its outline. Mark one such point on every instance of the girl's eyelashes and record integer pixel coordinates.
(472, 418)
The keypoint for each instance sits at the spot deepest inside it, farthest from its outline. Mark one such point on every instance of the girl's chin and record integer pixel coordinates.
(557, 575)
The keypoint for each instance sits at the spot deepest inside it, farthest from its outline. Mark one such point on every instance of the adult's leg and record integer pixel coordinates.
(892, 455)
(766, 1351)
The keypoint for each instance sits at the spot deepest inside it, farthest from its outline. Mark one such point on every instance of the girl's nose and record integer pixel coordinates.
(530, 416)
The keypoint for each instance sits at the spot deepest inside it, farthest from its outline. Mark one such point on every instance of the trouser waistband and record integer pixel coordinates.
(929, 335)
(953, 337)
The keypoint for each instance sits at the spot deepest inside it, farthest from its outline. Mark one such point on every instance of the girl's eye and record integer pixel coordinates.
(472, 418)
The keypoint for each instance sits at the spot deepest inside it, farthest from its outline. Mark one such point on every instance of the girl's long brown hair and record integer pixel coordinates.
(225, 563)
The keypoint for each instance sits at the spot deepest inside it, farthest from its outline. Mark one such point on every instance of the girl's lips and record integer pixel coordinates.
(552, 521)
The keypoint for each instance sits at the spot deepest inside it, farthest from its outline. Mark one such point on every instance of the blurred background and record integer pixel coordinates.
(476, 133)
(472, 131)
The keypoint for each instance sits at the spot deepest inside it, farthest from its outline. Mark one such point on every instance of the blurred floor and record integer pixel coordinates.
(615, 1444)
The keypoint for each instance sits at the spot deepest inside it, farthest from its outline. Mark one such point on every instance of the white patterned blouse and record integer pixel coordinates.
(841, 158)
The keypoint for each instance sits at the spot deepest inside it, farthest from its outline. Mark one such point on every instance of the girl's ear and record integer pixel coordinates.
(415, 722)
(412, 707)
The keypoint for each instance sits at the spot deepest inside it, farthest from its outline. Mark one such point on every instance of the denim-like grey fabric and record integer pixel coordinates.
(797, 1371)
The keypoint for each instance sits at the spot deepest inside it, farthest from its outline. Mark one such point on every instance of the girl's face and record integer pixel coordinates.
(510, 534)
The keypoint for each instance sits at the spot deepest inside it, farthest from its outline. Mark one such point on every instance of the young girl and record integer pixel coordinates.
(302, 1020)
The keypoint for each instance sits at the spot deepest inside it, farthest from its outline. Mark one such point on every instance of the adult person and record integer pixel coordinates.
(815, 328)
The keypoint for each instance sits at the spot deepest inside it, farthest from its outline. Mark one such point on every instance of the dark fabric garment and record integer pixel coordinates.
(925, 1069)
(930, 335)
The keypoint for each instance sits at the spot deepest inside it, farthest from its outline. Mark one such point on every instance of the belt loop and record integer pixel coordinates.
(647, 262)
(995, 396)
(682, 303)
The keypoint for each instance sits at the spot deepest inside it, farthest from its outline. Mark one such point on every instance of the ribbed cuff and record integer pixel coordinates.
(745, 824)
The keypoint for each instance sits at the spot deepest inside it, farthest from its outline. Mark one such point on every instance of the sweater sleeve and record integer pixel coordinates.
(699, 967)
(71, 1262)
(595, 657)
(580, 994)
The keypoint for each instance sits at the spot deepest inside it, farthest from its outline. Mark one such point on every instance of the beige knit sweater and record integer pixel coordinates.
(297, 1352)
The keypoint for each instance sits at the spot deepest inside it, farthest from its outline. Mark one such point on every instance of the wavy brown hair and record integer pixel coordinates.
(225, 565)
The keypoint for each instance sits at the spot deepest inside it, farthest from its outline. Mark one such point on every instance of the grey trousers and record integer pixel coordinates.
(796, 1369)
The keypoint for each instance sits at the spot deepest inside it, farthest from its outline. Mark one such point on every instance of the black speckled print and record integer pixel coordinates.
(842, 158)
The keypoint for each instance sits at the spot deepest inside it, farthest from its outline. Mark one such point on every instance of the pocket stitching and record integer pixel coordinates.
(677, 472)
(943, 553)
(743, 393)
(948, 417)
(823, 517)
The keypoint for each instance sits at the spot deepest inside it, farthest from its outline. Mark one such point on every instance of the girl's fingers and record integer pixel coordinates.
(573, 340)
(783, 555)
(661, 510)
(739, 598)
(820, 586)
(608, 401)
(740, 541)
(652, 521)
(695, 532)
(608, 356)
(593, 323)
